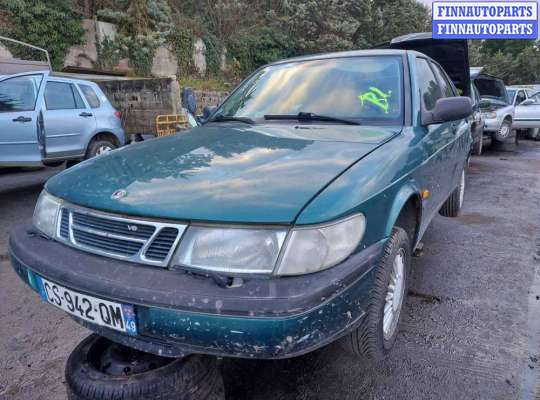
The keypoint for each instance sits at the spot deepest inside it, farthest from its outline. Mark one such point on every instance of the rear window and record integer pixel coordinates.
(90, 95)
(62, 96)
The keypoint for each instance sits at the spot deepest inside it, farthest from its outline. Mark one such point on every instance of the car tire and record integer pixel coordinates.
(376, 334)
(99, 147)
(504, 132)
(71, 163)
(533, 134)
(452, 205)
(478, 146)
(99, 369)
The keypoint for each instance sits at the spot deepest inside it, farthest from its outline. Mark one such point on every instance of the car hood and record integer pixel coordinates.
(220, 172)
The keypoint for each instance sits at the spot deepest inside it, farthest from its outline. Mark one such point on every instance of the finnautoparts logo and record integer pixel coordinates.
(485, 20)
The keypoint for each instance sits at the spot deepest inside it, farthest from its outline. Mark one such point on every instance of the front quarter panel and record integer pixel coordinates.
(377, 186)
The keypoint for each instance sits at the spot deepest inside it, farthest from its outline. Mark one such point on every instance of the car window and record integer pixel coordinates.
(520, 97)
(19, 93)
(511, 94)
(79, 102)
(60, 96)
(476, 95)
(90, 95)
(430, 91)
(367, 88)
(446, 87)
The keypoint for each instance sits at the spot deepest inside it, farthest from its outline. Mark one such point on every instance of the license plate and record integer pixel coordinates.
(120, 317)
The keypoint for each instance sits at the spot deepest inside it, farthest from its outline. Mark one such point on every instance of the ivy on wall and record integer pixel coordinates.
(181, 42)
(52, 25)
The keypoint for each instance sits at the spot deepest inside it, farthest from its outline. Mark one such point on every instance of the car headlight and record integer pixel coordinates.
(317, 248)
(236, 250)
(257, 251)
(46, 214)
(490, 115)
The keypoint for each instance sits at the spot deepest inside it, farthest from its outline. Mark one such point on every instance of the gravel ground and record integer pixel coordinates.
(472, 326)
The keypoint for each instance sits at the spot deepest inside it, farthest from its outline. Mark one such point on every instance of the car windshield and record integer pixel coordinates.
(365, 89)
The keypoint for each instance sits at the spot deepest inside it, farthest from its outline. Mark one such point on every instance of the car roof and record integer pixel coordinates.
(55, 76)
(342, 54)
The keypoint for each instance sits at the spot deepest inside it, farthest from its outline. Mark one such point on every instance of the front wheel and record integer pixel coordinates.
(378, 330)
(99, 147)
(504, 132)
(452, 205)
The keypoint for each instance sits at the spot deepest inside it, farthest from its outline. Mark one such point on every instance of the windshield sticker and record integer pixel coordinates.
(376, 97)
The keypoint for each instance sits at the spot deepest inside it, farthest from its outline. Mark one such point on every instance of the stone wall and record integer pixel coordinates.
(208, 98)
(141, 100)
(164, 63)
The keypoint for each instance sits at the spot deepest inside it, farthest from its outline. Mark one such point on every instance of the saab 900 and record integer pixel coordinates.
(283, 223)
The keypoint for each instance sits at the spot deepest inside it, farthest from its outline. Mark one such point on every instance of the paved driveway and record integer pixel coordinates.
(472, 326)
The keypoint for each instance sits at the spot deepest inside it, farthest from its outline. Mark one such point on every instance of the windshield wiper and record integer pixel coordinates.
(307, 116)
(226, 118)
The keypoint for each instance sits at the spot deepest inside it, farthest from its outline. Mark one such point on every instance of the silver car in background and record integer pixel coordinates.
(47, 119)
(496, 107)
(527, 110)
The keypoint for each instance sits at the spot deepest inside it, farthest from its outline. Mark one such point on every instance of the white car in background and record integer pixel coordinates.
(527, 110)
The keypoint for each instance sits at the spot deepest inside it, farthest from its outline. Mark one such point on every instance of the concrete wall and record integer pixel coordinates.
(84, 55)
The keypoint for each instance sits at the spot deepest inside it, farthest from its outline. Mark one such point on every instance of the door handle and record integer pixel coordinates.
(22, 119)
(85, 114)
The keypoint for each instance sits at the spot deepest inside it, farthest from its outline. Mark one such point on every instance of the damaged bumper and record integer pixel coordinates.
(178, 313)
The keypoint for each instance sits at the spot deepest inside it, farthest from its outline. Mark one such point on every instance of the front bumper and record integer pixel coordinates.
(178, 313)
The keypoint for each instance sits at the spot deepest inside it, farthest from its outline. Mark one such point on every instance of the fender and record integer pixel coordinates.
(408, 190)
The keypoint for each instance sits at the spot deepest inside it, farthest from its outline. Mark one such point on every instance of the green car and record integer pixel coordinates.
(285, 222)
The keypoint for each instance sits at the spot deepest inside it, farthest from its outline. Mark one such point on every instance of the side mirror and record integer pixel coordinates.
(527, 102)
(448, 109)
(188, 100)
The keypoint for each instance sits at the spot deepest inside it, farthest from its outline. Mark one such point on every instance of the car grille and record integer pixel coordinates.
(145, 242)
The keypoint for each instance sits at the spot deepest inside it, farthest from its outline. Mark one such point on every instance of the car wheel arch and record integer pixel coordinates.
(406, 212)
(103, 135)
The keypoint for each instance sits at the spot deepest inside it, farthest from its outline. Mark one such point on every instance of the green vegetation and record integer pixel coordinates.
(248, 33)
(515, 61)
(254, 32)
(51, 24)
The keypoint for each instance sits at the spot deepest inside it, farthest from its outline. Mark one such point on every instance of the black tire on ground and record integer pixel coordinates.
(134, 375)
(452, 205)
(478, 146)
(508, 145)
(533, 134)
(98, 147)
(53, 164)
(369, 340)
(71, 163)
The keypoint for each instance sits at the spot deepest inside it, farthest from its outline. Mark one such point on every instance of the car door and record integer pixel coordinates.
(527, 111)
(20, 98)
(459, 139)
(68, 120)
(437, 141)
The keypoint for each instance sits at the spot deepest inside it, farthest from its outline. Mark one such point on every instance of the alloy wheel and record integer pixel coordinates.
(394, 295)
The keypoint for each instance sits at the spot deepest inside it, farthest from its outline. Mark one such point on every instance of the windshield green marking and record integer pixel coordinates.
(376, 97)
